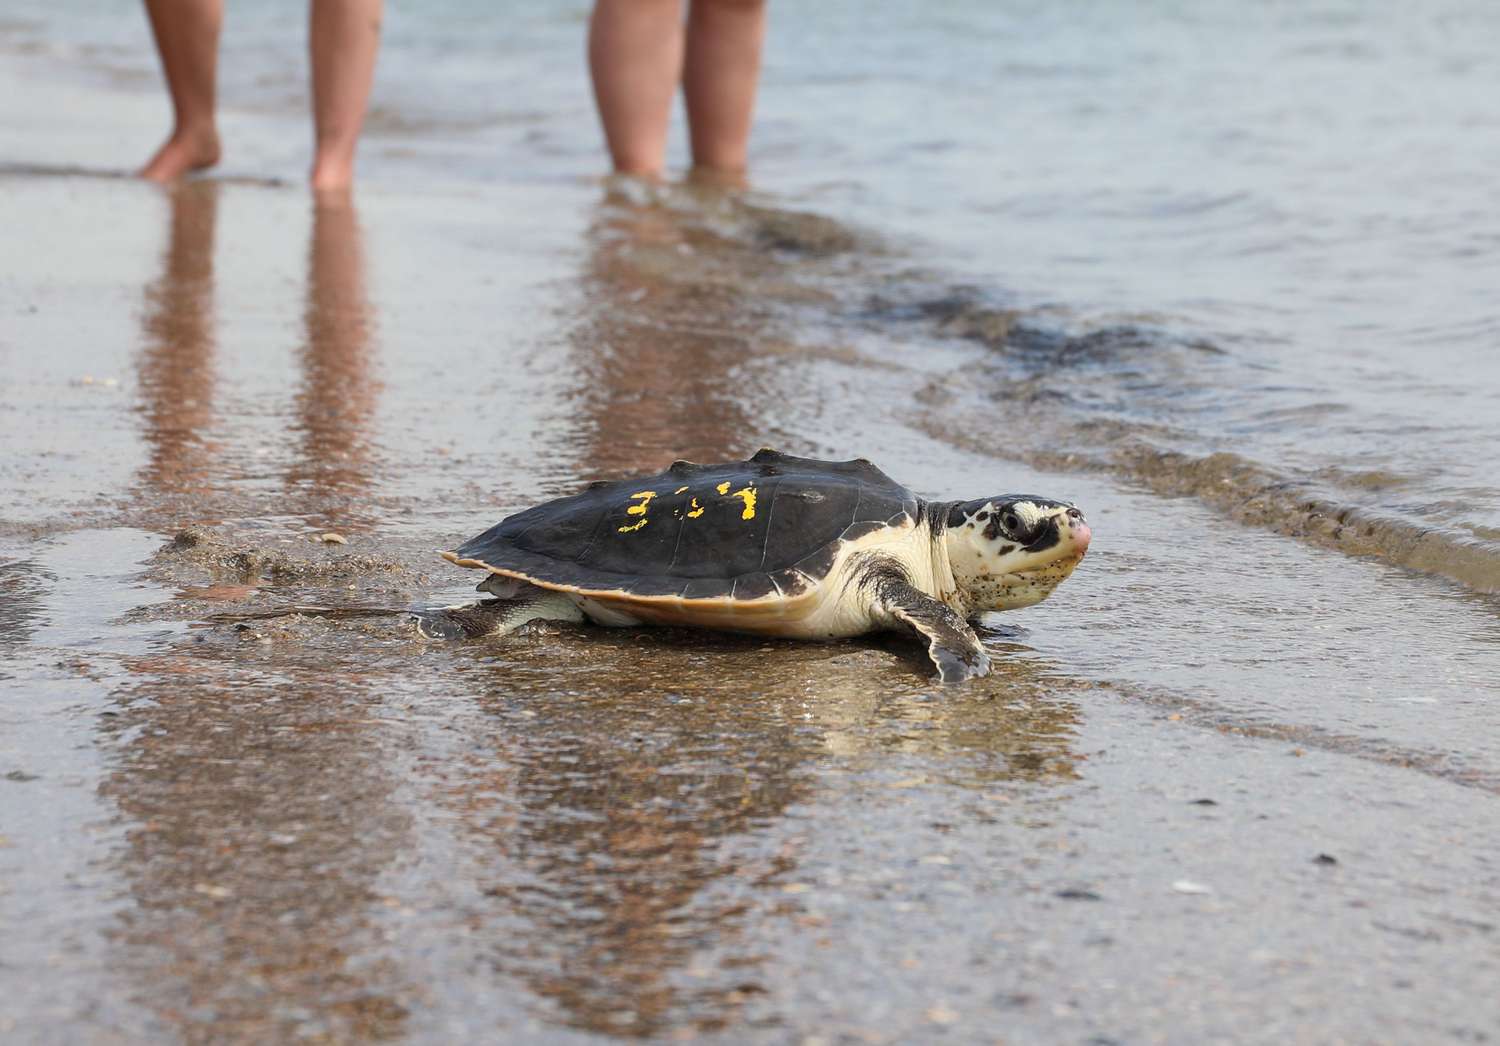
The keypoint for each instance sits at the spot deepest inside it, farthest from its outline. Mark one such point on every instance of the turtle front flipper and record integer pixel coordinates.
(951, 643)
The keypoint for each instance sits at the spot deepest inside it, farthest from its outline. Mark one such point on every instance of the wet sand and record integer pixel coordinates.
(1224, 786)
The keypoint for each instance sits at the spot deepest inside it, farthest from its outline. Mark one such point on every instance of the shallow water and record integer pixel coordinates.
(1230, 782)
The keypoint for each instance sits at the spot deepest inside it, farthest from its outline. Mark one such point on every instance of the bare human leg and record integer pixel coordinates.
(722, 69)
(187, 38)
(343, 38)
(635, 58)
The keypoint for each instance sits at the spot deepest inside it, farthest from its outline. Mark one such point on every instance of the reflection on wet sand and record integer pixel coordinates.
(258, 815)
(194, 472)
(176, 365)
(256, 805)
(335, 407)
(1015, 725)
(628, 878)
(631, 820)
(660, 350)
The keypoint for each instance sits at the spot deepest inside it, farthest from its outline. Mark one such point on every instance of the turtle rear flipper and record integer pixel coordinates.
(951, 643)
(502, 587)
(496, 617)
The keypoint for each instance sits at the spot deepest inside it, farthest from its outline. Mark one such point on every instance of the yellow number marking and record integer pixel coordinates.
(645, 497)
(679, 490)
(696, 510)
(747, 495)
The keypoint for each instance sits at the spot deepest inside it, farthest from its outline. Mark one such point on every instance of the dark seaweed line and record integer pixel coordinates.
(1255, 495)
(1248, 493)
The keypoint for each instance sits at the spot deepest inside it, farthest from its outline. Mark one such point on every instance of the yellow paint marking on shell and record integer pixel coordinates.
(679, 490)
(645, 497)
(696, 511)
(747, 495)
(723, 488)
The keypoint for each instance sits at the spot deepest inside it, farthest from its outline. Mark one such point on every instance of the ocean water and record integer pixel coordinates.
(1269, 230)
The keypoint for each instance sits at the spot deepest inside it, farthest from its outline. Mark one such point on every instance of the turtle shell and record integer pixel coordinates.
(765, 529)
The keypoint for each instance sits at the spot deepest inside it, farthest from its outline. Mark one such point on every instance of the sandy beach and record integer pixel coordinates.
(1231, 783)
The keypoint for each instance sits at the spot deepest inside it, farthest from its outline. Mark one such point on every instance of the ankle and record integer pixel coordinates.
(188, 148)
(199, 140)
(331, 173)
(719, 177)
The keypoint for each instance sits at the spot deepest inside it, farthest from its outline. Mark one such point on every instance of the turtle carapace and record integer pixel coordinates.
(779, 546)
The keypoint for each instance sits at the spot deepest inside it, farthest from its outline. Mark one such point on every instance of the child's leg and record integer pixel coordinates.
(343, 38)
(187, 38)
(724, 39)
(635, 56)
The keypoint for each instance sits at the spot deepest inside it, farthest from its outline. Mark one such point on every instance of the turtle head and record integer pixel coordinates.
(1012, 551)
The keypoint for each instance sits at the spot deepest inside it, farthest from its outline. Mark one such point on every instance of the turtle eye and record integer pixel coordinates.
(1012, 522)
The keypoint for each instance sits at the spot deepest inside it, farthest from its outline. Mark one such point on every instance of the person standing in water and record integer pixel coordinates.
(639, 50)
(343, 37)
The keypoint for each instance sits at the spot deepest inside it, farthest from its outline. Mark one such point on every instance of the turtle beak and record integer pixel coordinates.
(1078, 530)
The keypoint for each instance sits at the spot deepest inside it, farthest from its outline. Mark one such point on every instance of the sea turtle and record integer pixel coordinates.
(778, 546)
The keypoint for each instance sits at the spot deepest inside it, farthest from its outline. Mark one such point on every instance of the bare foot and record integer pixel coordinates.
(181, 153)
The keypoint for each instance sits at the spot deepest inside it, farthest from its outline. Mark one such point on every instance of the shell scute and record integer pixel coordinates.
(792, 583)
(707, 588)
(753, 586)
(855, 531)
(654, 585)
